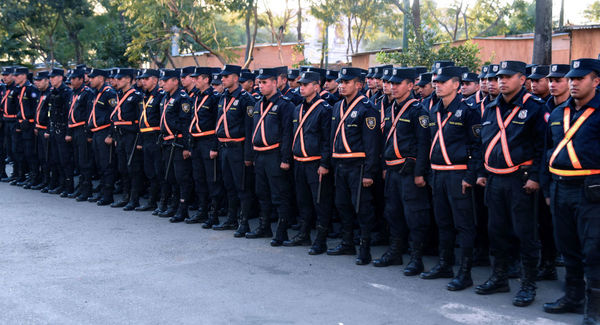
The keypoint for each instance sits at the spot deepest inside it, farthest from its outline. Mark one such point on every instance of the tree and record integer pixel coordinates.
(327, 12)
(542, 43)
(592, 13)
(278, 25)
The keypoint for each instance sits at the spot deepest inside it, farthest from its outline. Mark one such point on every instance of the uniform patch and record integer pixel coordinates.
(354, 114)
(523, 114)
(237, 101)
(151, 101)
(250, 110)
(546, 117)
(185, 107)
(274, 109)
(112, 102)
(424, 121)
(458, 113)
(171, 100)
(33, 95)
(477, 130)
(371, 122)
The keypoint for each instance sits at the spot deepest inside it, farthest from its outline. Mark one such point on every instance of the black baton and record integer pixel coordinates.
(474, 205)
(319, 189)
(215, 170)
(362, 170)
(137, 136)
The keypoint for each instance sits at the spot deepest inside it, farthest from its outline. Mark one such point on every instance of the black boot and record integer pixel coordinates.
(346, 247)
(162, 205)
(123, 202)
(444, 267)
(463, 278)
(498, 282)
(573, 300)
(243, 227)
(171, 208)
(94, 198)
(200, 216)
(213, 219)
(526, 293)
(302, 238)
(231, 221)
(415, 265)
(263, 230)
(364, 252)
(182, 213)
(69, 188)
(514, 268)
(86, 191)
(319, 246)
(547, 270)
(393, 256)
(134, 202)
(281, 233)
(591, 315)
(107, 196)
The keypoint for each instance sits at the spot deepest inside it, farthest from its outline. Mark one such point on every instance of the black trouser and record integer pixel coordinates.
(237, 177)
(104, 162)
(42, 154)
(347, 182)
(576, 219)
(62, 155)
(131, 174)
(546, 231)
(481, 227)
(153, 163)
(453, 210)
(2, 149)
(306, 181)
(406, 206)
(14, 150)
(180, 172)
(511, 213)
(273, 187)
(83, 154)
(208, 180)
(29, 149)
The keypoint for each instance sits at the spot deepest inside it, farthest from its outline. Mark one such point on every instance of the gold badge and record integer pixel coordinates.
(424, 121)
(112, 102)
(185, 107)
(250, 110)
(371, 122)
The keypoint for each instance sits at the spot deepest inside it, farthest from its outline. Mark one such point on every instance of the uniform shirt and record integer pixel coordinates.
(3, 96)
(41, 110)
(235, 118)
(176, 115)
(316, 131)
(362, 133)
(331, 98)
(410, 137)
(524, 134)
(105, 100)
(382, 105)
(80, 107)
(293, 96)
(58, 107)
(22, 102)
(586, 141)
(373, 94)
(430, 101)
(126, 113)
(461, 136)
(204, 116)
(272, 125)
(149, 119)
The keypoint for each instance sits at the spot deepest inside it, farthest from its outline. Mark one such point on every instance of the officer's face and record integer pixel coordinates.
(202, 82)
(308, 90)
(349, 88)
(446, 88)
(188, 81)
(379, 84)
(468, 88)
(331, 85)
(248, 85)
(540, 87)
(510, 84)
(8, 79)
(558, 86)
(387, 88)
(293, 83)
(171, 85)
(426, 90)
(123, 83)
(401, 90)
(581, 88)
(149, 83)
(96, 81)
(219, 88)
(371, 83)
(483, 85)
(76, 82)
(268, 87)
(281, 82)
(492, 85)
(229, 80)
(20, 78)
(56, 81)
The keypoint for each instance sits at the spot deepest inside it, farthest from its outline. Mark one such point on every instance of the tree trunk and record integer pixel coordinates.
(561, 19)
(253, 40)
(542, 43)
(323, 42)
(406, 21)
(248, 41)
(416, 20)
(299, 28)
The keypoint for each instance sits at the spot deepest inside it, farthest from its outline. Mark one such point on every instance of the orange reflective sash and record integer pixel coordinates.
(261, 125)
(392, 131)
(223, 119)
(37, 110)
(118, 109)
(21, 102)
(200, 133)
(301, 120)
(439, 135)
(144, 116)
(343, 116)
(93, 114)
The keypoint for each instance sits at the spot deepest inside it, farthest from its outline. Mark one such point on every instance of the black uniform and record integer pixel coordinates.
(294, 96)
(26, 101)
(41, 124)
(80, 107)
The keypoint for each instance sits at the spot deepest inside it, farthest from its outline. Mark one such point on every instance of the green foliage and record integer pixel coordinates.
(592, 13)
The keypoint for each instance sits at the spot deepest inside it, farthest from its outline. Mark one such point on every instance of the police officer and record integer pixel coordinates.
(355, 136)
(455, 162)
(28, 97)
(539, 82)
(234, 132)
(284, 88)
(5, 85)
(574, 161)
(292, 78)
(21, 92)
(247, 83)
(469, 85)
(206, 170)
(41, 125)
(99, 123)
(188, 81)
(512, 137)
(149, 125)
(431, 100)
(330, 90)
(378, 78)
(217, 83)
(176, 116)
(425, 86)
(272, 143)
(78, 133)
(125, 133)
(406, 142)
(371, 87)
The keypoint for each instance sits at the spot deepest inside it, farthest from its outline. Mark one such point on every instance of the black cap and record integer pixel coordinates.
(99, 72)
(76, 73)
(425, 79)
(112, 72)
(7, 70)
(230, 69)
(509, 68)
(558, 70)
(370, 72)
(281, 71)
(147, 73)
(266, 73)
(332, 75)
(138, 74)
(441, 64)
(20, 70)
(124, 72)
(167, 74)
(304, 68)
(81, 66)
(469, 76)
(188, 71)
(198, 71)
(351, 73)
(309, 76)
(293, 74)
(216, 79)
(583, 67)
(247, 75)
(387, 74)
(484, 71)
(41, 75)
(420, 70)
(379, 71)
(321, 72)
(539, 72)
(401, 74)
(55, 72)
(446, 73)
(529, 68)
(492, 70)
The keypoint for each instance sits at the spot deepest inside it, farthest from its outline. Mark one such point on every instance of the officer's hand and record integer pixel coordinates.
(284, 166)
(548, 201)
(383, 174)
(17, 130)
(214, 154)
(465, 185)
(187, 154)
(89, 140)
(108, 140)
(46, 135)
(138, 147)
(34, 131)
(248, 163)
(420, 181)
(322, 171)
(531, 186)
(367, 182)
(481, 181)
(68, 138)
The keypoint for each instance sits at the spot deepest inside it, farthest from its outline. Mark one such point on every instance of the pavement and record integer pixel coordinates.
(68, 262)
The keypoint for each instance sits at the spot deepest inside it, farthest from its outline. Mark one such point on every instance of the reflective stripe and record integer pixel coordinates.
(349, 155)
(569, 133)
(73, 101)
(37, 109)
(439, 135)
(202, 134)
(301, 123)
(261, 125)
(306, 159)
(100, 128)
(395, 162)
(92, 117)
(382, 115)
(21, 102)
(579, 172)
(76, 124)
(231, 139)
(448, 167)
(121, 101)
(150, 129)
(394, 123)
(507, 170)
(163, 120)
(223, 119)
(483, 106)
(343, 116)
(271, 147)
(170, 137)
(125, 122)
(195, 119)
(144, 117)
(39, 126)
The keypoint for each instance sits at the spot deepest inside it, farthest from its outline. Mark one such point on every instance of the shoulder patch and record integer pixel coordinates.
(250, 110)
(477, 130)
(112, 102)
(424, 121)
(185, 107)
(286, 98)
(371, 122)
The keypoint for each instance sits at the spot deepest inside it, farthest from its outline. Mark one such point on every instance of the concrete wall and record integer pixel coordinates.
(586, 43)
